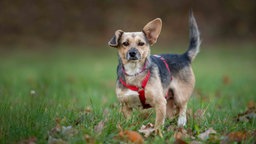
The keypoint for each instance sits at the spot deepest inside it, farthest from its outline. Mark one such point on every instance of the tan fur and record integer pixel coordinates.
(182, 90)
(152, 30)
(133, 39)
(182, 84)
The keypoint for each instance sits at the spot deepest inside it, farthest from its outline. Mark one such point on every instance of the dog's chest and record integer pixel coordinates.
(132, 98)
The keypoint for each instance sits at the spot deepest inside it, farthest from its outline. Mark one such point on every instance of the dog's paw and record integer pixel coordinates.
(159, 132)
(182, 121)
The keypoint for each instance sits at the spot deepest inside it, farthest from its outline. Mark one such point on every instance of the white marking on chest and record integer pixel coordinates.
(132, 68)
(132, 98)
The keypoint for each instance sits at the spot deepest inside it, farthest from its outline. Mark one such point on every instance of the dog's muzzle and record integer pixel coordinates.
(133, 54)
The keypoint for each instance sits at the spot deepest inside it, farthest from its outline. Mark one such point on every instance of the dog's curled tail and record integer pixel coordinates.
(194, 38)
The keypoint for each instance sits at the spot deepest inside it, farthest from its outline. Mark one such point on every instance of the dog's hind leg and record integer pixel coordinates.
(182, 90)
(182, 120)
(171, 107)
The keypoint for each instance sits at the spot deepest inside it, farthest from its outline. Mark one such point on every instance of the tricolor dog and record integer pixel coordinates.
(164, 82)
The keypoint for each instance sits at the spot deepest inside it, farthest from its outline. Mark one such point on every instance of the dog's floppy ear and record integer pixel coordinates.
(114, 41)
(152, 30)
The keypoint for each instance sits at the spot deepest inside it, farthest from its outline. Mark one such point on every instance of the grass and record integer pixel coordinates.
(42, 89)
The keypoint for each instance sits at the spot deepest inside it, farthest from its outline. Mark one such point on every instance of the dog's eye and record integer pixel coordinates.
(141, 44)
(126, 43)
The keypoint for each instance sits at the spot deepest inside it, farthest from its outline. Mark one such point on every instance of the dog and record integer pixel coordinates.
(164, 82)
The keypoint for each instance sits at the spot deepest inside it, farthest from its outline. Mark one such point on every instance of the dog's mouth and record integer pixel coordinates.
(133, 55)
(133, 58)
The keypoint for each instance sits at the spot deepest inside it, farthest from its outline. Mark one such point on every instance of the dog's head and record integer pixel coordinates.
(135, 46)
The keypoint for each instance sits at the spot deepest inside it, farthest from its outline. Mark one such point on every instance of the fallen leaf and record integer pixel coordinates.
(68, 131)
(88, 110)
(31, 140)
(199, 114)
(59, 134)
(226, 80)
(52, 140)
(205, 135)
(181, 133)
(54, 131)
(179, 141)
(89, 139)
(237, 136)
(99, 127)
(131, 136)
(248, 115)
(147, 129)
(178, 135)
(57, 120)
(195, 142)
(251, 105)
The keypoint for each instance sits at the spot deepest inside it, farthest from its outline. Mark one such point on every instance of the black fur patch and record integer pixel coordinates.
(175, 62)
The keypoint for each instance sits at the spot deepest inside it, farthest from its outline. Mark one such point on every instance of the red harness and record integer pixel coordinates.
(141, 90)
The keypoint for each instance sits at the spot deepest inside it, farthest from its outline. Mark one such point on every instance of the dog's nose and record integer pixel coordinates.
(132, 54)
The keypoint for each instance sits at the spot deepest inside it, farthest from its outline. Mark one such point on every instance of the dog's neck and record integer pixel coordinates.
(134, 68)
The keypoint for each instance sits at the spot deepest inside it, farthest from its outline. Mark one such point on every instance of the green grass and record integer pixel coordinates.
(76, 88)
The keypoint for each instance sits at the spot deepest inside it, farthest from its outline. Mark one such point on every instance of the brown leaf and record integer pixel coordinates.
(131, 136)
(247, 115)
(99, 127)
(55, 130)
(88, 110)
(147, 129)
(226, 80)
(179, 141)
(57, 120)
(237, 136)
(199, 114)
(31, 140)
(251, 105)
(178, 135)
(89, 139)
(205, 135)
(181, 133)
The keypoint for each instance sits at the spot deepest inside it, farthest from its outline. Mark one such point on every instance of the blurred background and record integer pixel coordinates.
(55, 64)
(43, 23)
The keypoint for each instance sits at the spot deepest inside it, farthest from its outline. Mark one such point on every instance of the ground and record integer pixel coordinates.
(66, 95)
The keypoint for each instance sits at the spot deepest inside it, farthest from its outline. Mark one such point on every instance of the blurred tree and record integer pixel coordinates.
(94, 21)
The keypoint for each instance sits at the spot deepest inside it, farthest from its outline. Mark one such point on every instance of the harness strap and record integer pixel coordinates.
(141, 90)
(166, 65)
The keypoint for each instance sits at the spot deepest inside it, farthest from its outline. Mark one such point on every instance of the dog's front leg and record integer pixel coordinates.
(160, 116)
(126, 110)
(123, 99)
